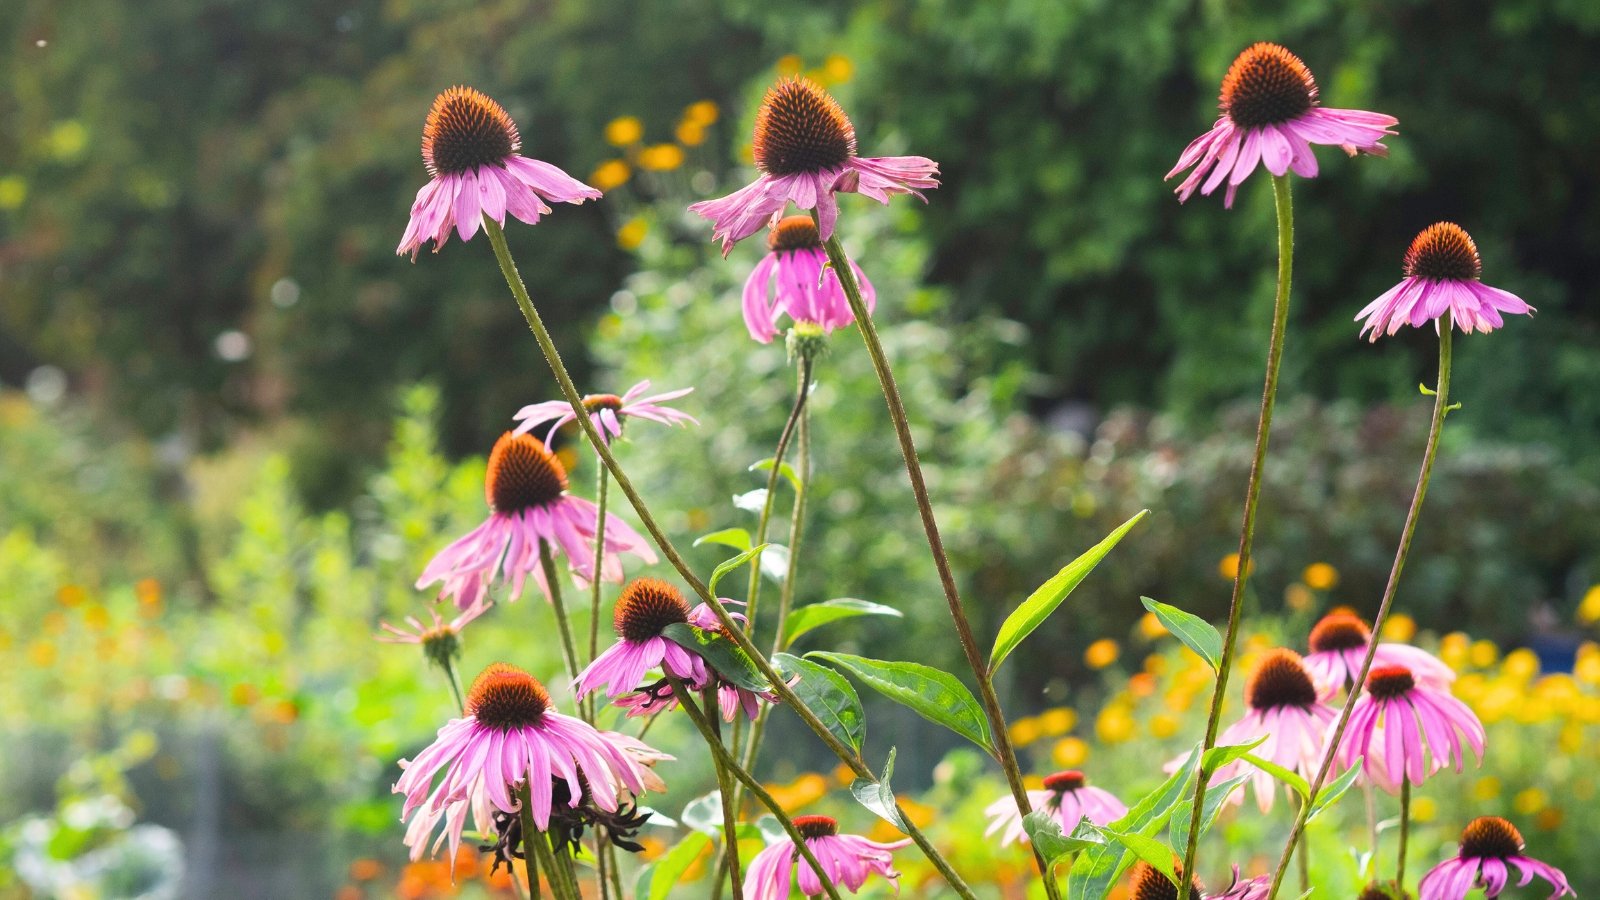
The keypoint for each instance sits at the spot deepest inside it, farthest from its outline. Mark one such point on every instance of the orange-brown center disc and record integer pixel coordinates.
(1384, 682)
(816, 826)
(465, 129)
(1490, 837)
(647, 606)
(793, 233)
(1280, 680)
(505, 697)
(1061, 782)
(1443, 250)
(522, 474)
(597, 402)
(1338, 631)
(1266, 85)
(799, 128)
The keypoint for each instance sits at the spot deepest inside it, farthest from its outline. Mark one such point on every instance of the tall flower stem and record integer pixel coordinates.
(730, 808)
(529, 833)
(455, 686)
(1007, 757)
(602, 483)
(726, 763)
(1247, 530)
(568, 648)
(519, 291)
(1405, 832)
(1441, 406)
(802, 391)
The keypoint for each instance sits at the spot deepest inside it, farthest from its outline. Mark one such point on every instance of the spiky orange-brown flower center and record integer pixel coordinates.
(1444, 251)
(647, 606)
(816, 826)
(1384, 682)
(1061, 782)
(800, 128)
(1149, 884)
(465, 129)
(1491, 836)
(1280, 679)
(1266, 85)
(597, 402)
(505, 697)
(522, 474)
(1339, 631)
(793, 233)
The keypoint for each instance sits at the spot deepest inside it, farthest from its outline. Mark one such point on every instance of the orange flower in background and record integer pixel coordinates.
(1320, 576)
(1101, 653)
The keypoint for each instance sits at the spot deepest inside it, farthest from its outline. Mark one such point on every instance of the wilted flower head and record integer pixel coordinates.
(441, 642)
(1270, 117)
(1490, 847)
(847, 858)
(805, 147)
(1067, 796)
(1339, 645)
(1442, 271)
(1403, 728)
(794, 279)
(608, 412)
(469, 145)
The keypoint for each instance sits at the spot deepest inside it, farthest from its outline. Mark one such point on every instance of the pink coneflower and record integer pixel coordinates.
(1257, 888)
(732, 699)
(1147, 883)
(510, 736)
(441, 642)
(1442, 268)
(1270, 116)
(608, 412)
(1402, 727)
(846, 858)
(1487, 845)
(470, 145)
(1284, 708)
(530, 509)
(1067, 796)
(794, 279)
(1339, 646)
(645, 608)
(805, 148)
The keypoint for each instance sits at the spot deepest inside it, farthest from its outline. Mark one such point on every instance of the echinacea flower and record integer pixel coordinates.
(1488, 845)
(469, 145)
(1257, 888)
(795, 279)
(1067, 796)
(1270, 117)
(1148, 883)
(644, 610)
(658, 696)
(805, 147)
(1402, 728)
(847, 859)
(1339, 645)
(608, 412)
(1442, 272)
(1285, 709)
(529, 511)
(511, 737)
(441, 642)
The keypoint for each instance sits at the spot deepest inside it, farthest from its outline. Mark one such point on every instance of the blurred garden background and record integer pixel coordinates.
(234, 425)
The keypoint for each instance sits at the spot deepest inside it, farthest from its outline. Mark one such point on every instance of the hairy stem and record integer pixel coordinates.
(600, 490)
(1247, 530)
(1405, 833)
(568, 648)
(730, 808)
(802, 391)
(1441, 406)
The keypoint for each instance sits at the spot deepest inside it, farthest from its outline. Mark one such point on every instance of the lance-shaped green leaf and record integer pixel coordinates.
(729, 565)
(657, 881)
(1195, 633)
(828, 695)
(1217, 757)
(1042, 602)
(935, 695)
(737, 538)
(1331, 793)
(1152, 851)
(1292, 779)
(816, 615)
(1095, 871)
(720, 653)
(786, 470)
(1216, 797)
(1044, 833)
(878, 796)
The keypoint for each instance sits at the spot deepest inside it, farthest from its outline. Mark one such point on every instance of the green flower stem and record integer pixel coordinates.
(529, 833)
(1405, 832)
(730, 809)
(535, 845)
(455, 685)
(519, 291)
(999, 732)
(1441, 406)
(568, 648)
(1247, 531)
(727, 764)
(602, 484)
(802, 391)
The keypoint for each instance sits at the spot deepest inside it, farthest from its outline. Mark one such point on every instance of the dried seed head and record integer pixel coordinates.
(1384, 682)
(522, 474)
(1280, 680)
(800, 128)
(1339, 631)
(1443, 251)
(464, 130)
(1491, 837)
(816, 826)
(647, 606)
(793, 233)
(505, 697)
(1266, 85)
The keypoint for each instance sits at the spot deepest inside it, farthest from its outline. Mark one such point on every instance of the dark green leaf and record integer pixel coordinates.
(1152, 851)
(816, 615)
(828, 695)
(1195, 633)
(1216, 798)
(936, 696)
(729, 565)
(720, 653)
(878, 796)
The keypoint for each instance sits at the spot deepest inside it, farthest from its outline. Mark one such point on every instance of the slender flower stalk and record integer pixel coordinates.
(1247, 531)
(529, 828)
(568, 649)
(600, 491)
(730, 809)
(1441, 405)
(998, 729)
(1405, 831)
(802, 392)
(552, 355)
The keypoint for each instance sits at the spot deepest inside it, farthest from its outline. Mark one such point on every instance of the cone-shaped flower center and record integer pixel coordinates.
(646, 607)
(793, 233)
(522, 474)
(1385, 682)
(1491, 837)
(799, 128)
(815, 826)
(1443, 251)
(597, 402)
(1266, 85)
(505, 697)
(1280, 680)
(1061, 782)
(1150, 884)
(464, 130)
(1339, 631)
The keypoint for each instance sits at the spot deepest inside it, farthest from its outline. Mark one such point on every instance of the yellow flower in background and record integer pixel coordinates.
(67, 140)
(1115, 725)
(42, 654)
(623, 131)
(843, 775)
(789, 64)
(1058, 721)
(612, 173)
(96, 616)
(690, 134)
(1150, 627)
(1486, 788)
(702, 113)
(13, 190)
(837, 69)
(1228, 566)
(53, 622)
(1069, 752)
(1024, 731)
(1423, 809)
(1400, 627)
(1530, 801)
(1101, 653)
(1454, 648)
(1589, 608)
(71, 595)
(1319, 576)
(1299, 598)
(1484, 654)
(1155, 664)
(661, 157)
(1588, 668)
(1163, 725)
(632, 233)
(1520, 664)
(1549, 819)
